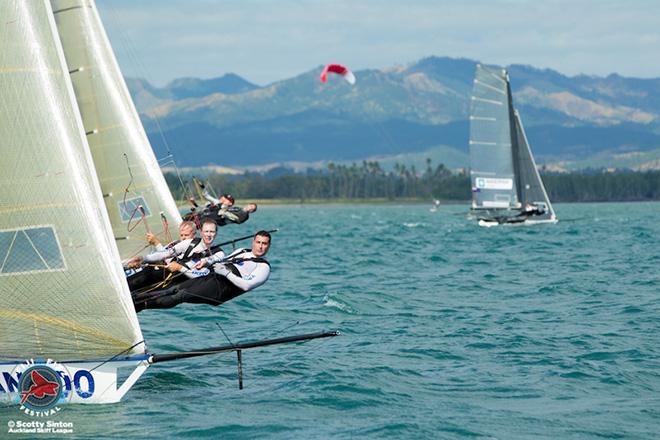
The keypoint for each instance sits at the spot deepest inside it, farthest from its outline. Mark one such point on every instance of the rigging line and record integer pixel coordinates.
(223, 332)
(130, 182)
(129, 48)
(212, 190)
(166, 227)
(198, 187)
(157, 286)
(144, 218)
(286, 328)
(128, 226)
(118, 354)
(272, 231)
(139, 251)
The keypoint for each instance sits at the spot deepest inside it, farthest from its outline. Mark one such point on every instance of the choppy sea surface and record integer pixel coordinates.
(449, 331)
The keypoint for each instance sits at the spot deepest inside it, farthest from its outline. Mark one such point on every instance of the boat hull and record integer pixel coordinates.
(488, 223)
(82, 382)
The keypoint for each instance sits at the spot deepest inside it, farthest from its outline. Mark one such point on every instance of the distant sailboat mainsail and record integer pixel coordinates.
(63, 290)
(506, 186)
(122, 154)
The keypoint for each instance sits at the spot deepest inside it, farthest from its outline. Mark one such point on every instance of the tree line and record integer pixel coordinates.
(368, 180)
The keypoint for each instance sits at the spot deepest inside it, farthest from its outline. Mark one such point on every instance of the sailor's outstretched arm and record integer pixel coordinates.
(209, 197)
(255, 279)
(169, 252)
(156, 257)
(187, 271)
(215, 258)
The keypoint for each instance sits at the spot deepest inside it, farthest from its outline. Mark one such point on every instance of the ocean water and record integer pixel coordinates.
(449, 331)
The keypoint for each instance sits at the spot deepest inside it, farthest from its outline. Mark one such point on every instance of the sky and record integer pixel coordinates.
(266, 41)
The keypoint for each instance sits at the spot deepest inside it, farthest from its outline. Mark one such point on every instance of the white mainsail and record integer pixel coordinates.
(63, 291)
(122, 154)
(491, 149)
(64, 295)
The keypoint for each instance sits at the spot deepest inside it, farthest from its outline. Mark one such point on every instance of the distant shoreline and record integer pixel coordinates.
(383, 201)
(373, 201)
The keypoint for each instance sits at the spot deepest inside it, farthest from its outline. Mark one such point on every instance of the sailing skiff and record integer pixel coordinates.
(66, 125)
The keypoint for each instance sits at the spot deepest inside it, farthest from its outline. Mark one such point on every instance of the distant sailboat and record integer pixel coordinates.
(132, 183)
(506, 186)
(66, 308)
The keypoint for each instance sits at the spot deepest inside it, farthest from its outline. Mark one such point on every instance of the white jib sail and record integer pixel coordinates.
(63, 291)
(122, 154)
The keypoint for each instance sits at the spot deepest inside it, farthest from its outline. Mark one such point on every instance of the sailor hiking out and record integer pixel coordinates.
(239, 272)
(232, 214)
(178, 259)
(187, 230)
(221, 209)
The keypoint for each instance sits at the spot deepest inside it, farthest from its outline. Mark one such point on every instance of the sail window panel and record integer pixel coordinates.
(129, 210)
(30, 250)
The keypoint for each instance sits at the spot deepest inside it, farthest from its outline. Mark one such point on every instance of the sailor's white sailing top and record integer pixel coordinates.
(254, 271)
(180, 249)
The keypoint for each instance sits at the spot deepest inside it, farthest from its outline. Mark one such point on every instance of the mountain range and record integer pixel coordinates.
(402, 114)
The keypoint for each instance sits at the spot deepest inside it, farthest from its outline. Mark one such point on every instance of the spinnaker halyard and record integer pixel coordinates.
(506, 186)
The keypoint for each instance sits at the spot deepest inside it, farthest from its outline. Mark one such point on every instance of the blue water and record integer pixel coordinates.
(449, 331)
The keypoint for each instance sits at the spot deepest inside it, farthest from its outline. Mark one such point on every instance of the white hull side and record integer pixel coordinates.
(84, 382)
(490, 224)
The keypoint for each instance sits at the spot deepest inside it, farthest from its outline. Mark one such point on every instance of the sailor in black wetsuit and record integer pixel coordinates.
(222, 210)
(232, 214)
(531, 209)
(240, 272)
(180, 258)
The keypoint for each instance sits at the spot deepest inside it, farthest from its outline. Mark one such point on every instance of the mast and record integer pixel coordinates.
(132, 184)
(64, 294)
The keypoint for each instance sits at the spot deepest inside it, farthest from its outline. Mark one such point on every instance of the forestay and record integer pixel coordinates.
(122, 154)
(64, 295)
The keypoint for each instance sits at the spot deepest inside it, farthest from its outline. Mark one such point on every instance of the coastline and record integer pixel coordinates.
(345, 201)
